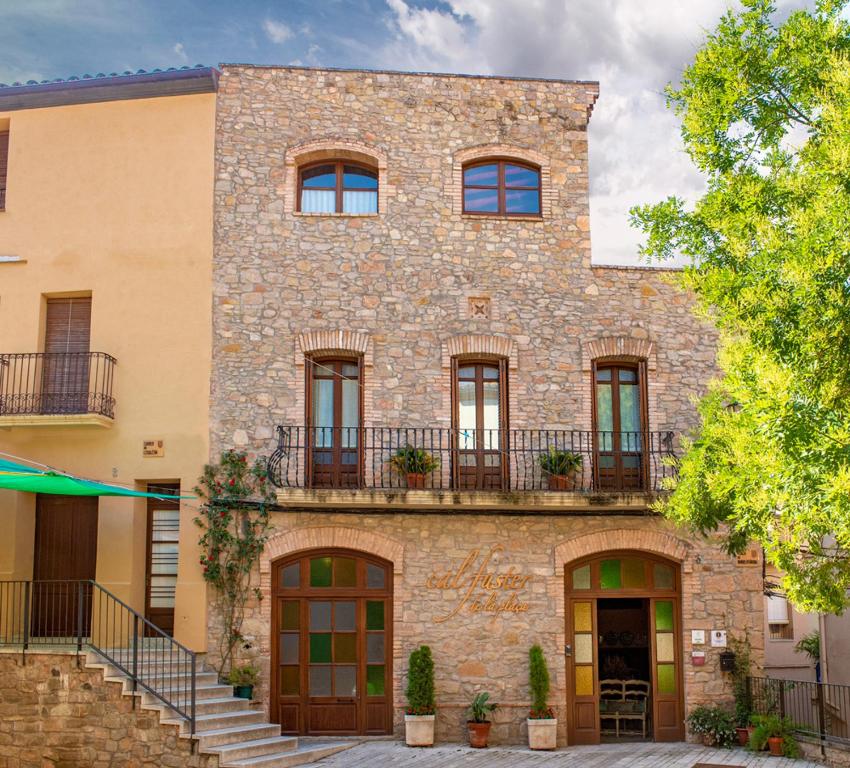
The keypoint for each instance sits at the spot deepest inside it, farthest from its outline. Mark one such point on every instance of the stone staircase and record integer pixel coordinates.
(225, 726)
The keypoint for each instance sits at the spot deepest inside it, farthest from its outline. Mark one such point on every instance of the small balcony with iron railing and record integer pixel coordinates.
(55, 388)
(433, 467)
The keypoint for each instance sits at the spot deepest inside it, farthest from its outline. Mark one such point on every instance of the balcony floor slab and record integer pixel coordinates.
(8, 421)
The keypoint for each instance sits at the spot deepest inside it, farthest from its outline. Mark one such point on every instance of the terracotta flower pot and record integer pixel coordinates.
(542, 734)
(419, 730)
(743, 736)
(775, 744)
(416, 480)
(562, 482)
(708, 740)
(478, 734)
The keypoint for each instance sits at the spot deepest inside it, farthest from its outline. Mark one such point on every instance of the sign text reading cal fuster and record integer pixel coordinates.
(479, 589)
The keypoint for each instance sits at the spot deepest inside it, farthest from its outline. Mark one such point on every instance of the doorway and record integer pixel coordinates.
(162, 555)
(624, 649)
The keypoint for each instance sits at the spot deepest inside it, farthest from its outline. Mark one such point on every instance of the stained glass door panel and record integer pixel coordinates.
(583, 688)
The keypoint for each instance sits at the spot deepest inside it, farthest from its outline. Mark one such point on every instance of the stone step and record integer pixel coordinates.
(221, 720)
(227, 753)
(201, 692)
(300, 756)
(225, 704)
(215, 738)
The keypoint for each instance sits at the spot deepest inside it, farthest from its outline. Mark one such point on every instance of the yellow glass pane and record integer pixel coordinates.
(584, 681)
(664, 646)
(582, 617)
(584, 649)
(634, 575)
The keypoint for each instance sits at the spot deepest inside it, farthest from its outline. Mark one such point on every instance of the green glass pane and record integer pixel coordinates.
(581, 577)
(320, 648)
(634, 574)
(290, 615)
(374, 614)
(345, 648)
(662, 576)
(320, 572)
(667, 678)
(345, 572)
(375, 680)
(664, 616)
(609, 574)
(290, 681)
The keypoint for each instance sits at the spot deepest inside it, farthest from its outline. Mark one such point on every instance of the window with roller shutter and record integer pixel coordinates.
(4, 166)
(65, 376)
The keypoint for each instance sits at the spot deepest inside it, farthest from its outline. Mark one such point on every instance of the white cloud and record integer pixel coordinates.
(277, 31)
(181, 52)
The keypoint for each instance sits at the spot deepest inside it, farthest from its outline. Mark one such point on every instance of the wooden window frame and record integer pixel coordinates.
(4, 167)
(339, 187)
(501, 187)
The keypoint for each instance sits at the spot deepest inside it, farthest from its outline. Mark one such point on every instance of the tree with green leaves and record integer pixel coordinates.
(765, 116)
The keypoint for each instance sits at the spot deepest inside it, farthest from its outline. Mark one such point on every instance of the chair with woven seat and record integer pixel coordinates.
(623, 700)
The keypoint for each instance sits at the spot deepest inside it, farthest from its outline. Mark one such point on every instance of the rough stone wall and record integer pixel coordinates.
(54, 713)
(475, 652)
(403, 278)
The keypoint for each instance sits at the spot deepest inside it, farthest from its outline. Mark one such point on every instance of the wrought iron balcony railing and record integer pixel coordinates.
(450, 459)
(44, 383)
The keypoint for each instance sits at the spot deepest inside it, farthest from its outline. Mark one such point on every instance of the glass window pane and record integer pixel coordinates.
(290, 615)
(604, 417)
(489, 373)
(290, 576)
(375, 680)
(466, 414)
(320, 572)
(634, 573)
(345, 572)
(581, 577)
(344, 616)
(290, 681)
(374, 614)
(517, 176)
(320, 176)
(320, 681)
(662, 576)
(375, 648)
(376, 577)
(627, 375)
(582, 617)
(467, 372)
(355, 177)
(522, 201)
(482, 200)
(664, 646)
(359, 202)
(350, 370)
(345, 681)
(318, 201)
(603, 374)
(667, 678)
(320, 617)
(663, 615)
(289, 648)
(491, 415)
(320, 648)
(629, 410)
(584, 649)
(609, 574)
(482, 175)
(323, 414)
(345, 648)
(350, 413)
(584, 681)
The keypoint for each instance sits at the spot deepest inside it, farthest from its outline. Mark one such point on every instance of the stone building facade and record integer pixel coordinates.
(410, 295)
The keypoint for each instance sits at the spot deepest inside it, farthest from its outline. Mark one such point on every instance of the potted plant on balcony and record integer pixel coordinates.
(415, 464)
(542, 724)
(243, 680)
(478, 726)
(560, 468)
(421, 708)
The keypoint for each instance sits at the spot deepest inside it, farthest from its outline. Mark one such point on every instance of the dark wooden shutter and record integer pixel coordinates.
(4, 166)
(504, 421)
(454, 441)
(67, 332)
(68, 325)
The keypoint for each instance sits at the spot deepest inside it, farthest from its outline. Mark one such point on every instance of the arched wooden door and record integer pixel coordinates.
(651, 588)
(332, 643)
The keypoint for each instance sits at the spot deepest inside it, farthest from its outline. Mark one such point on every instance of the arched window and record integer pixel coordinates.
(501, 187)
(340, 186)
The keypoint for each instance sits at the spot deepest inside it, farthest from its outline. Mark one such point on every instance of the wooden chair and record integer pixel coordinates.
(622, 700)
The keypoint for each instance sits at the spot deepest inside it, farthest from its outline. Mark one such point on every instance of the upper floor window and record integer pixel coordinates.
(4, 163)
(338, 187)
(501, 187)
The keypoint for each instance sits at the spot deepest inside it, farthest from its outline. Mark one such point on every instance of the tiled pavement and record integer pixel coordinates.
(381, 754)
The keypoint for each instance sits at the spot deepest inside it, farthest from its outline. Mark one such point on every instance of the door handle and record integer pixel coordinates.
(568, 650)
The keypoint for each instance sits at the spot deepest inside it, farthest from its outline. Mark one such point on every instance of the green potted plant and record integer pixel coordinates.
(560, 468)
(810, 645)
(542, 723)
(415, 464)
(776, 733)
(714, 724)
(478, 726)
(419, 716)
(243, 680)
(741, 689)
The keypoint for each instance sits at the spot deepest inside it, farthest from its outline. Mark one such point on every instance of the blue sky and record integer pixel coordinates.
(633, 47)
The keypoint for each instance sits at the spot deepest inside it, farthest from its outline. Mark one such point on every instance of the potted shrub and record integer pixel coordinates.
(243, 680)
(560, 468)
(419, 716)
(542, 724)
(478, 726)
(714, 724)
(776, 733)
(415, 464)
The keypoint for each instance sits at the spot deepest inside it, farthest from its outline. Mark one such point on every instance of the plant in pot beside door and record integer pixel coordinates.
(542, 724)
(243, 680)
(415, 464)
(715, 725)
(478, 726)
(560, 468)
(419, 716)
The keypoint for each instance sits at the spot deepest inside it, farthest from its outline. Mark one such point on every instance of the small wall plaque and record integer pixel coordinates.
(718, 638)
(698, 658)
(153, 448)
(750, 557)
(697, 637)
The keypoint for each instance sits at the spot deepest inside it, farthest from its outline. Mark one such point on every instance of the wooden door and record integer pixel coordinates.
(334, 405)
(162, 557)
(582, 672)
(65, 373)
(332, 645)
(65, 554)
(667, 702)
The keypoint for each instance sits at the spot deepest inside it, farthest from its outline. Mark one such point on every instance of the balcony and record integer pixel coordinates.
(56, 388)
(480, 469)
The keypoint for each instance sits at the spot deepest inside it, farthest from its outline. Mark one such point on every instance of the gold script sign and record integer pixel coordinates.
(481, 591)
